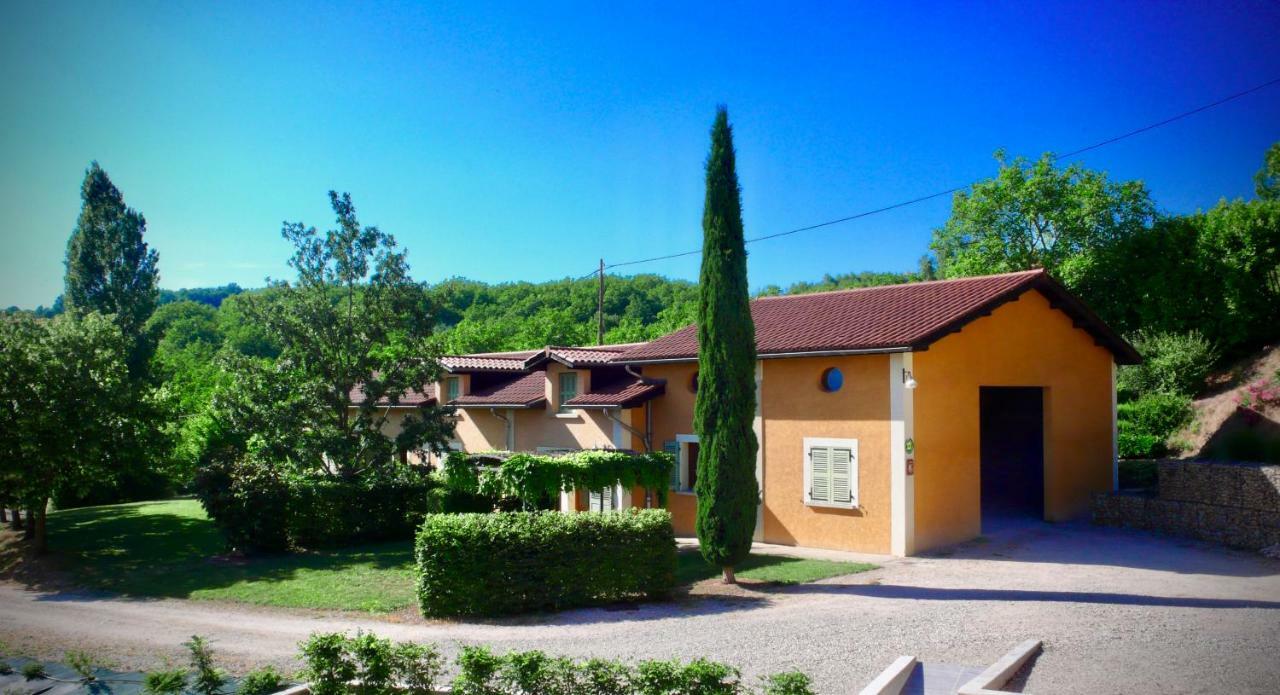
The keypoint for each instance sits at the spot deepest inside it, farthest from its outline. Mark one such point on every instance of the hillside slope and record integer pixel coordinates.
(1217, 411)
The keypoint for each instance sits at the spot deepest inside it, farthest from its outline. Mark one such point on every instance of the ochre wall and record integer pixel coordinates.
(795, 407)
(1022, 343)
(672, 415)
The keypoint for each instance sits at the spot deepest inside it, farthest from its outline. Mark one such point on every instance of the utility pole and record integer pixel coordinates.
(600, 307)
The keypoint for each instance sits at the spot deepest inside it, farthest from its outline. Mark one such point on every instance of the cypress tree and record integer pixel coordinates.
(109, 267)
(725, 406)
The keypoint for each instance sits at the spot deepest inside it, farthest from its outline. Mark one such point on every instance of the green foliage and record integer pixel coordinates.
(725, 405)
(64, 404)
(378, 667)
(1145, 424)
(481, 672)
(164, 682)
(542, 561)
(1037, 215)
(208, 679)
(261, 681)
(82, 663)
(259, 507)
(788, 683)
(210, 296)
(532, 478)
(34, 671)
(353, 322)
(1174, 363)
(1267, 180)
(110, 270)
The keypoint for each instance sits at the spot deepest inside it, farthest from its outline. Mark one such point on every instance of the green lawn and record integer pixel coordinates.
(165, 549)
(171, 549)
(690, 568)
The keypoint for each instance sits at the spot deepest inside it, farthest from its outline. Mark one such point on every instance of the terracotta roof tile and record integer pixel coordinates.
(622, 393)
(410, 398)
(883, 318)
(485, 363)
(524, 391)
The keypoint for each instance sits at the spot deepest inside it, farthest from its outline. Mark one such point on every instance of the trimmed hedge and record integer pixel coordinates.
(258, 507)
(518, 562)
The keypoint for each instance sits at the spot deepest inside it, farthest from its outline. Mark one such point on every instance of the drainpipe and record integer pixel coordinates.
(510, 444)
(644, 436)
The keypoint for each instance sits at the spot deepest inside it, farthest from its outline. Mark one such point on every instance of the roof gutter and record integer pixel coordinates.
(780, 355)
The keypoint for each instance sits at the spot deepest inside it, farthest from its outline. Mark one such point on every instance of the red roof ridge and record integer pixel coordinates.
(1028, 273)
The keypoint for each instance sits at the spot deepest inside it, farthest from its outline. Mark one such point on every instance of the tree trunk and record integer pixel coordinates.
(36, 521)
(29, 525)
(4, 516)
(728, 575)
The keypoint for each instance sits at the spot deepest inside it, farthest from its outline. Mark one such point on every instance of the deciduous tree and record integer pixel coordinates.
(353, 319)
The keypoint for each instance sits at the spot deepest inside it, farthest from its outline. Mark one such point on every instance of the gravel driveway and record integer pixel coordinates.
(1119, 612)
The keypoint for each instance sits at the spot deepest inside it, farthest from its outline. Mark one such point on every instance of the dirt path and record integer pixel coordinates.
(1119, 612)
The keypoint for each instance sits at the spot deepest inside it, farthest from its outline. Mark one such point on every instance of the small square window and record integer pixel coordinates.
(831, 472)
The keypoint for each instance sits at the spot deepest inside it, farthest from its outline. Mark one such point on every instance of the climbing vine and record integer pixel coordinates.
(533, 477)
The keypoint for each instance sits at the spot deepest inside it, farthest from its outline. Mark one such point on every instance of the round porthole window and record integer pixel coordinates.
(832, 380)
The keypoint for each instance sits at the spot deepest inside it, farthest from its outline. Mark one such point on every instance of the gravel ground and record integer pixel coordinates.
(1118, 611)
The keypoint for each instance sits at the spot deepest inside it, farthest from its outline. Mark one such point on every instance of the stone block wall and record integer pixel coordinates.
(1235, 504)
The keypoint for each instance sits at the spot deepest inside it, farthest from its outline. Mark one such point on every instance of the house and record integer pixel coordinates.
(890, 419)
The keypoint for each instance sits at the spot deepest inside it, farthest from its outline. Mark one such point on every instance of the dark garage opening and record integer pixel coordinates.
(1012, 451)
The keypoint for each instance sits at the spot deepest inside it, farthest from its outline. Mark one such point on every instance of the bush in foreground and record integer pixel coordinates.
(492, 564)
(1147, 423)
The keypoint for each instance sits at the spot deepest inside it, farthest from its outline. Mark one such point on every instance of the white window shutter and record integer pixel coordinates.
(820, 474)
(601, 501)
(842, 467)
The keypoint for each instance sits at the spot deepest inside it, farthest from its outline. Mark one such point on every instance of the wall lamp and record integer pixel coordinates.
(908, 381)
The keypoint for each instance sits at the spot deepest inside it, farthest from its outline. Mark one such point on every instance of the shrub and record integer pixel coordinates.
(1144, 425)
(330, 511)
(34, 671)
(262, 681)
(542, 561)
(164, 682)
(534, 478)
(248, 500)
(1175, 363)
(82, 663)
(259, 507)
(376, 666)
(208, 678)
(788, 683)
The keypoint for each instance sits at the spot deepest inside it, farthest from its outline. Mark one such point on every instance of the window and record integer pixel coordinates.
(685, 474)
(453, 388)
(831, 472)
(832, 380)
(605, 500)
(568, 388)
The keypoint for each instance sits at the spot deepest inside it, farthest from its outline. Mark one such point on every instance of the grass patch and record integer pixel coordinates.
(172, 549)
(776, 569)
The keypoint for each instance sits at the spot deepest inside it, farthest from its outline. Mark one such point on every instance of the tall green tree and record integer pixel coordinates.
(1037, 215)
(725, 406)
(353, 321)
(110, 269)
(1266, 183)
(65, 411)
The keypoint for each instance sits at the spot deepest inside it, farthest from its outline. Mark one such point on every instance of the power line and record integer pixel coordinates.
(956, 189)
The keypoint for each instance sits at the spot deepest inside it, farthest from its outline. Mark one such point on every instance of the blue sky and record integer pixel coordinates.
(524, 143)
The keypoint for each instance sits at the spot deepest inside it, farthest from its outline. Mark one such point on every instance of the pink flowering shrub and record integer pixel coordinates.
(1261, 393)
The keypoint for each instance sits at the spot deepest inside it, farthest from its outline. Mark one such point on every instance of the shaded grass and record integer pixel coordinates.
(775, 569)
(172, 549)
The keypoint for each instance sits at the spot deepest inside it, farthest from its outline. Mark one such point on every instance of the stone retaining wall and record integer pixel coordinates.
(1235, 504)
